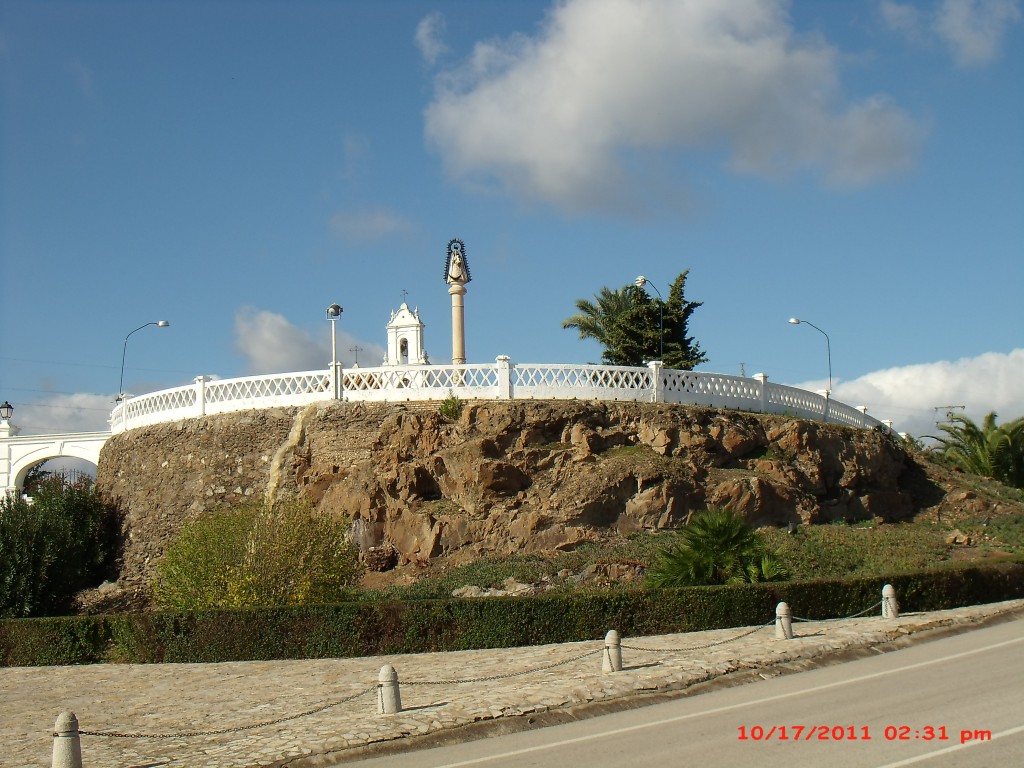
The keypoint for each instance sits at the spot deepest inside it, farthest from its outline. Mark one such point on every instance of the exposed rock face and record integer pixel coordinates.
(507, 476)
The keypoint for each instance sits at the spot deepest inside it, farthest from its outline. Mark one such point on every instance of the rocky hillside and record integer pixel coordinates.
(515, 476)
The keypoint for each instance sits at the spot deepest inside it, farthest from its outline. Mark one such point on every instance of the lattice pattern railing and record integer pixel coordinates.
(154, 408)
(711, 389)
(275, 390)
(581, 382)
(500, 381)
(422, 382)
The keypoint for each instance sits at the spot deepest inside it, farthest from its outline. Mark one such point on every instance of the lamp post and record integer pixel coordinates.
(333, 313)
(120, 386)
(6, 428)
(640, 282)
(828, 345)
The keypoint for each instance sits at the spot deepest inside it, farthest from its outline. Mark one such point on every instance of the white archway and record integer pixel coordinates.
(19, 454)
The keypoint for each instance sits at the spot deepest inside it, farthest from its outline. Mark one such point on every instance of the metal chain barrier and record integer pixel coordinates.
(701, 647)
(236, 729)
(507, 675)
(483, 679)
(843, 618)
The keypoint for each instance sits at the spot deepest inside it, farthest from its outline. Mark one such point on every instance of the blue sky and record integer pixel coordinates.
(235, 167)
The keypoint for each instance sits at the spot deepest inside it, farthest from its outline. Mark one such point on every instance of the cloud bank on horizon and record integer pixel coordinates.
(567, 117)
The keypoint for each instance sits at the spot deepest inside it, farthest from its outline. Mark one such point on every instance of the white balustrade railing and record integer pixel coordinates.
(502, 380)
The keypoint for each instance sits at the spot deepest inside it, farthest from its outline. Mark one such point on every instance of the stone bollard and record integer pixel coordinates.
(389, 699)
(67, 745)
(612, 653)
(783, 622)
(890, 608)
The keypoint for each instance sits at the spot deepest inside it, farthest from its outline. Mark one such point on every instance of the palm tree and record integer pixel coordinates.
(716, 547)
(634, 328)
(991, 450)
(602, 318)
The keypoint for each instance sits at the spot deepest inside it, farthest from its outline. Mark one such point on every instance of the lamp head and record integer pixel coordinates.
(795, 320)
(162, 324)
(640, 282)
(6, 411)
(334, 311)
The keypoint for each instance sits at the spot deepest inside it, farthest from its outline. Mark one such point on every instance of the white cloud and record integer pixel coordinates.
(610, 87)
(53, 414)
(971, 30)
(974, 29)
(367, 224)
(429, 39)
(900, 17)
(272, 344)
(910, 394)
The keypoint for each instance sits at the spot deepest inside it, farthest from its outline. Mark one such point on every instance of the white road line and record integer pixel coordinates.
(954, 748)
(717, 710)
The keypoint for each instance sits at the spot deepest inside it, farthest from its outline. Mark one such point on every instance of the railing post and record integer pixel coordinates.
(67, 744)
(503, 363)
(201, 394)
(863, 415)
(890, 608)
(824, 409)
(389, 698)
(783, 622)
(763, 378)
(658, 392)
(612, 659)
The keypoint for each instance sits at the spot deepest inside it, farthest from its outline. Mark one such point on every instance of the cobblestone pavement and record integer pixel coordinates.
(304, 713)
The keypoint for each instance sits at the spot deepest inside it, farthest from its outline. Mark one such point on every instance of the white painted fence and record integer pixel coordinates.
(502, 380)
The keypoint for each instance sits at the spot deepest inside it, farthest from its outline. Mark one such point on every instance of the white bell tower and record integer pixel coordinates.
(405, 338)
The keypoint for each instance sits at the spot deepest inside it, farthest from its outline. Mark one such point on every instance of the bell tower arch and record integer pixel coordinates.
(405, 338)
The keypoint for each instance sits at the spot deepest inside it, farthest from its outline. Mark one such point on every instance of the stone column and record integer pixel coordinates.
(457, 291)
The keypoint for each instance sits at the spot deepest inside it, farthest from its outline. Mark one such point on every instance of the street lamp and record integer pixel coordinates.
(333, 313)
(640, 282)
(6, 428)
(828, 345)
(120, 386)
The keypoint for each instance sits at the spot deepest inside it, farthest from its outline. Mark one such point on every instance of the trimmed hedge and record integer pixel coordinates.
(383, 628)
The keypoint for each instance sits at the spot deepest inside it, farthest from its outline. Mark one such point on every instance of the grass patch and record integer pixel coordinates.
(492, 571)
(827, 551)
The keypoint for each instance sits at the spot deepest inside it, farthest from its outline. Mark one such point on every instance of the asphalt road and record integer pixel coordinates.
(956, 701)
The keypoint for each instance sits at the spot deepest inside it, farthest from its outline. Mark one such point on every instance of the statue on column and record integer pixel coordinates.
(456, 274)
(456, 268)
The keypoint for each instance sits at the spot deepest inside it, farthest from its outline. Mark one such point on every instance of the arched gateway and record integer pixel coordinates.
(19, 454)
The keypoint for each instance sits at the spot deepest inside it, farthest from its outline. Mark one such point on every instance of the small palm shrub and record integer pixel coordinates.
(716, 547)
(258, 555)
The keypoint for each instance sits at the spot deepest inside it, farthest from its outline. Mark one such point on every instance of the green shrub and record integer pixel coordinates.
(387, 627)
(451, 407)
(258, 555)
(66, 540)
(716, 547)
